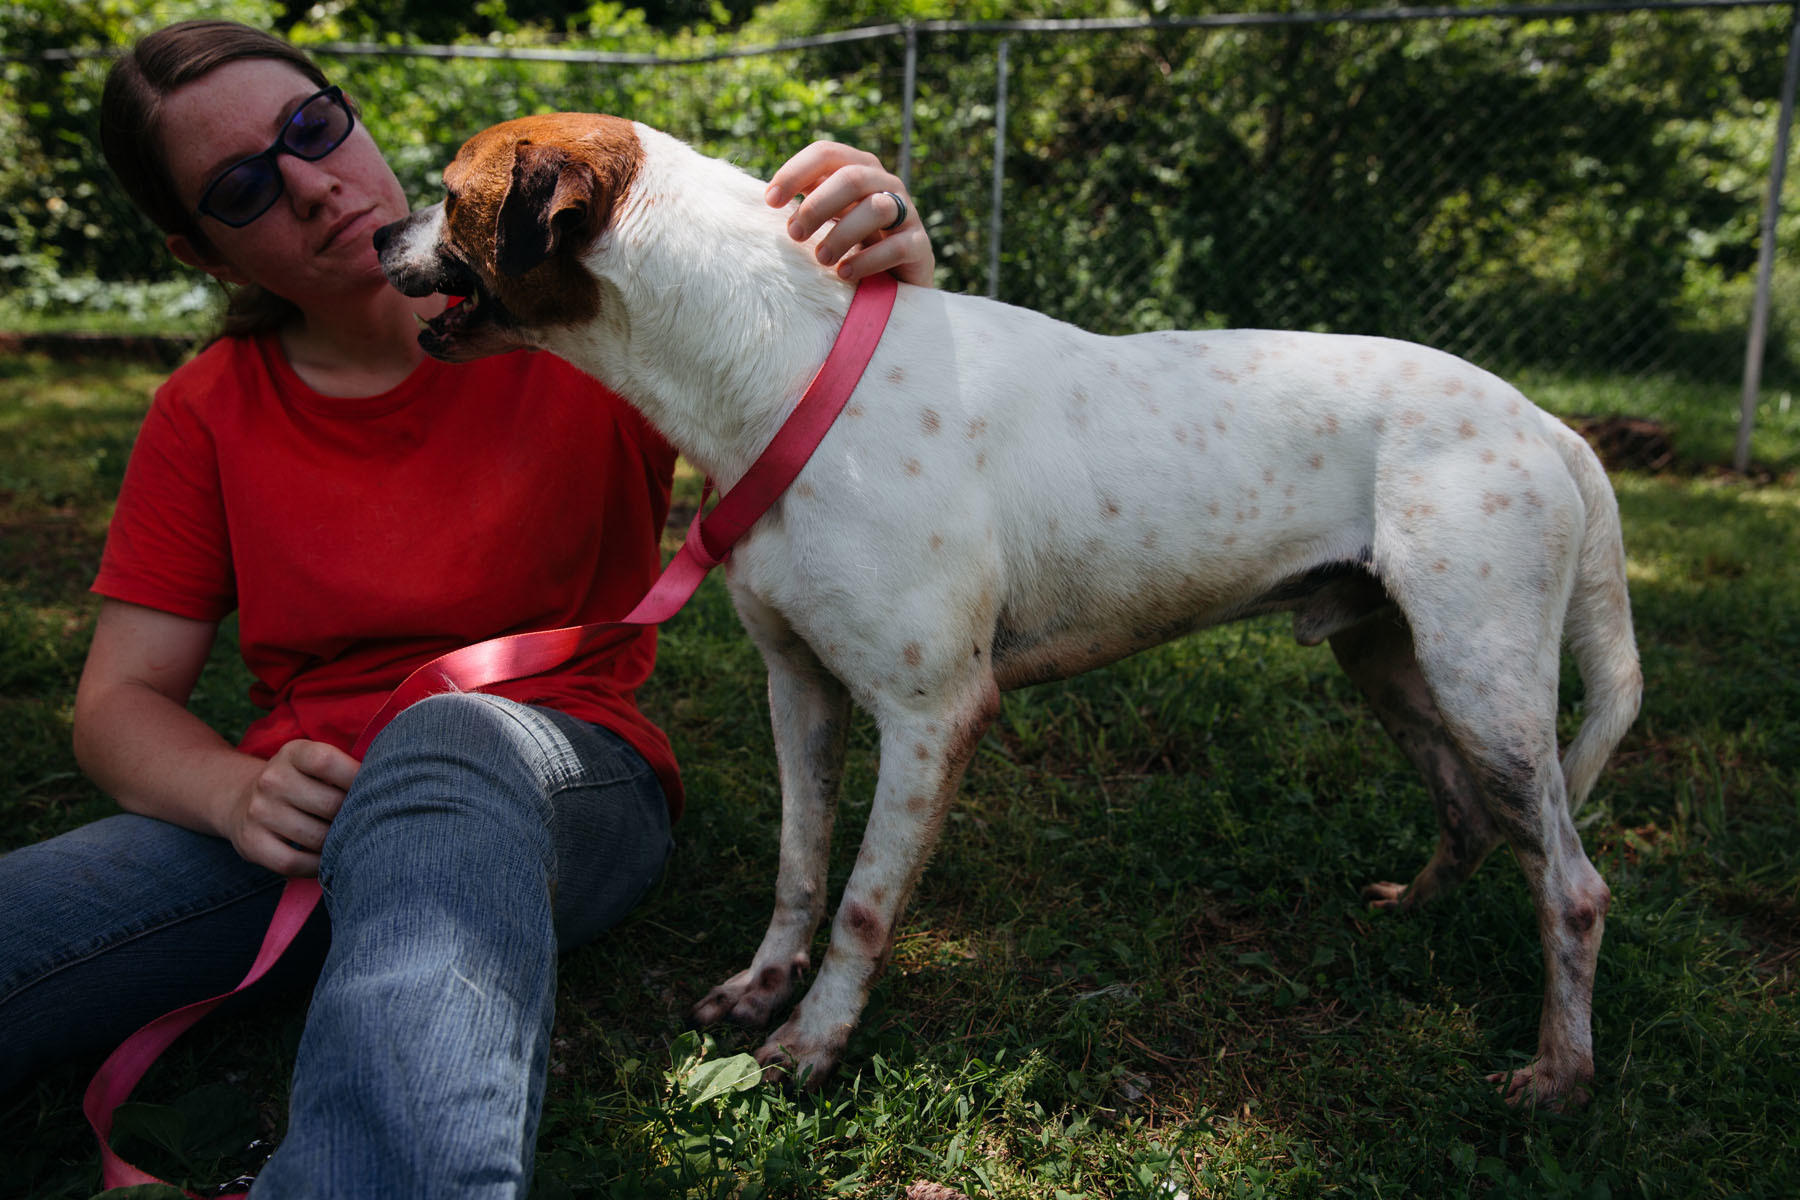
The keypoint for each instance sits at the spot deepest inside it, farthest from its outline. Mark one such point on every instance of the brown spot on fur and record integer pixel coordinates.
(1412, 418)
(1441, 565)
(1466, 429)
(1316, 462)
(913, 467)
(1268, 474)
(1452, 386)
(937, 541)
(1582, 917)
(853, 410)
(922, 751)
(1224, 376)
(803, 490)
(1493, 502)
(1486, 570)
(977, 427)
(865, 927)
(896, 374)
(1109, 507)
(1487, 456)
(929, 421)
(913, 653)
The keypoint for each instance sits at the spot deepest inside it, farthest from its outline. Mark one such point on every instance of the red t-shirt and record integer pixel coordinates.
(360, 538)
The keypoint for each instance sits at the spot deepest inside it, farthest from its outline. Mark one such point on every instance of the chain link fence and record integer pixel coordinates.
(1575, 188)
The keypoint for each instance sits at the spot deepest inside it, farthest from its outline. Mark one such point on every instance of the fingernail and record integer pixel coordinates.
(772, 196)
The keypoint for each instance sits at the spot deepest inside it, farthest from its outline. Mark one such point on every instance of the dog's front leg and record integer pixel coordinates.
(923, 756)
(809, 711)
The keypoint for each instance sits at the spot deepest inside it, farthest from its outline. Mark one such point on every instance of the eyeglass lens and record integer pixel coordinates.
(246, 189)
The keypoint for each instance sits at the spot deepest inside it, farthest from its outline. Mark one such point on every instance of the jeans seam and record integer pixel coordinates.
(148, 931)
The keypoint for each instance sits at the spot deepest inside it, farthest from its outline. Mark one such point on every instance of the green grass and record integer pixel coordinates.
(1137, 965)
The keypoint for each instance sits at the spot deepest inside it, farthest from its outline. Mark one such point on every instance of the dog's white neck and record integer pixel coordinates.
(712, 319)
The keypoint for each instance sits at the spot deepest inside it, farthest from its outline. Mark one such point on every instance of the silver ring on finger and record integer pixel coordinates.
(899, 212)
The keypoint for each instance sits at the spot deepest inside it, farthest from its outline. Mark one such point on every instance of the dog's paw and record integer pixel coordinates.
(798, 1057)
(1385, 895)
(1540, 1084)
(750, 998)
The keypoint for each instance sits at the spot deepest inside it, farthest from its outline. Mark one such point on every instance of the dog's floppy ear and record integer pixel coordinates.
(549, 203)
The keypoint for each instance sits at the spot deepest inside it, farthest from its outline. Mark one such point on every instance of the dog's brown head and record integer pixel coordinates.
(524, 200)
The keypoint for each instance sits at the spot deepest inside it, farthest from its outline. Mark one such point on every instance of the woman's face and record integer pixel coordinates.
(314, 244)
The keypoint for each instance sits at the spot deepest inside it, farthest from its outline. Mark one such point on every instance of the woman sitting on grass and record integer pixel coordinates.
(363, 509)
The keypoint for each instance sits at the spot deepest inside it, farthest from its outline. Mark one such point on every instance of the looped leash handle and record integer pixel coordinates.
(518, 656)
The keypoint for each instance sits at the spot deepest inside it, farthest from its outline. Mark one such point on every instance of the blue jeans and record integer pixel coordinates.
(480, 837)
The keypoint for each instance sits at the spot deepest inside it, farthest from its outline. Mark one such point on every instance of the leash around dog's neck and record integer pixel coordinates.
(709, 540)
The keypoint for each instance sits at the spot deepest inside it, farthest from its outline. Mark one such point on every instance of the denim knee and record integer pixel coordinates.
(463, 761)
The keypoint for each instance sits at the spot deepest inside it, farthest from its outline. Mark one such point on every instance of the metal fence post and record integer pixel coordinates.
(909, 87)
(999, 170)
(1765, 262)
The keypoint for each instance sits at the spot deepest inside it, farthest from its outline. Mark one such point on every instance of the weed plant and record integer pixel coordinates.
(1137, 966)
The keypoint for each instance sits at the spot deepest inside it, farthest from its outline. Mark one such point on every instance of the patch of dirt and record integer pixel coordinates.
(1628, 443)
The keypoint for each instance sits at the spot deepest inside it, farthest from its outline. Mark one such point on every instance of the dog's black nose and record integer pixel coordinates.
(384, 235)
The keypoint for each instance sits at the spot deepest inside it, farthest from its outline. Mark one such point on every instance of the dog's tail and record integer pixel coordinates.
(1598, 625)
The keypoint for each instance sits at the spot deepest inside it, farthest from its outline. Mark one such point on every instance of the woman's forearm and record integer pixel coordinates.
(156, 758)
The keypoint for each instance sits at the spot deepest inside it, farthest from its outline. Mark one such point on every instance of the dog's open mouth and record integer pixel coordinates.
(472, 310)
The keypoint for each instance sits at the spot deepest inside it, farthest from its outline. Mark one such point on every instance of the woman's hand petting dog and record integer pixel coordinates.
(850, 187)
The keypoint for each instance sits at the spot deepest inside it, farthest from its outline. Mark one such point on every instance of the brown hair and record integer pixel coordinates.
(131, 135)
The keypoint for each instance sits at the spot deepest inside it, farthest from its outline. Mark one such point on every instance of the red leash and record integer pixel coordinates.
(523, 654)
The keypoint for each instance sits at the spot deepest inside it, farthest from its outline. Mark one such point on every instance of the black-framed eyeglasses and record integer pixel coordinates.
(245, 190)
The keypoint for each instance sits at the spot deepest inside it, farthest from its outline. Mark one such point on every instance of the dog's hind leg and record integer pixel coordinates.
(809, 711)
(1496, 691)
(1377, 654)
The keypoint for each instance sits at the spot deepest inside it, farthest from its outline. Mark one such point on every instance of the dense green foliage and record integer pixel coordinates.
(1581, 190)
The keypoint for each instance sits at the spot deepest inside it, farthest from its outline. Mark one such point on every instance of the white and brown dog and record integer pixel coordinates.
(1007, 499)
